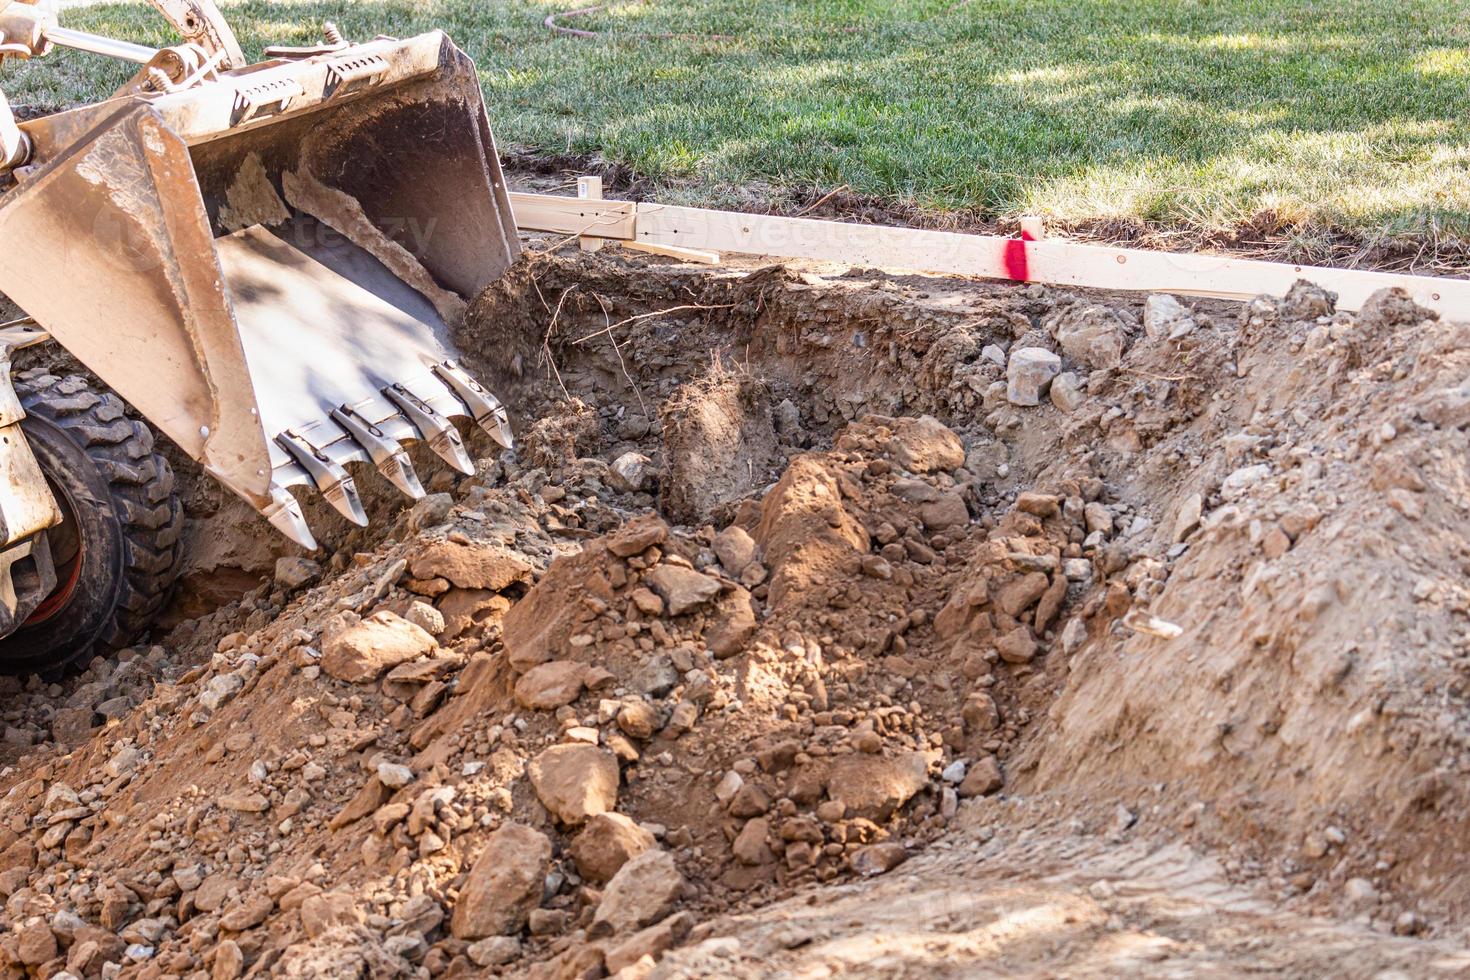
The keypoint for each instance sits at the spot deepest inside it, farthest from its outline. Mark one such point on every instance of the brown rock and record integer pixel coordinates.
(980, 713)
(750, 845)
(548, 686)
(647, 602)
(637, 536)
(504, 885)
(470, 610)
(244, 802)
(248, 914)
(749, 801)
(638, 719)
(575, 781)
(368, 799)
(925, 445)
(652, 942)
(540, 626)
(72, 726)
(1038, 504)
(735, 549)
(323, 913)
(229, 961)
(877, 859)
(470, 566)
(364, 652)
(682, 588)
(983, 778)
(213, 891)
(644, 890)
(873, 786)
(1017, 595)
(37, 943)
(731, 624)
(1017, 647)
(606, 843)
(948, 511)
(1050, 603)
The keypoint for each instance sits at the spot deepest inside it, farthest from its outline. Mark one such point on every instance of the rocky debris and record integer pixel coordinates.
(494, 951)
(630, 473)
(548, 686)
(605, 843)
(683, 589)
(648, 944)
(1091, 335)
(470, 565)
(293, 573)
(877, 859)
(874, 786)
(644, 890)
(735, 549)
(575, 781)
(323, 913)
(719, 443)
(925, 445)
(1164, 317)
(982, 779)
(365, 652)
(849, 657)
(1306, 301)
(1066, 392)
(504, 884)
(1029, 374)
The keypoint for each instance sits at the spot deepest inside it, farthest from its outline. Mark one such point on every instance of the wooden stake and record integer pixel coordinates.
(590, 189)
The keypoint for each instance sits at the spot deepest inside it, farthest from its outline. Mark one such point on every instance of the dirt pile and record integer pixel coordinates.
(799, 588)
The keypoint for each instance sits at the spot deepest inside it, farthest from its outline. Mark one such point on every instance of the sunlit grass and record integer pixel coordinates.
(1183, 113)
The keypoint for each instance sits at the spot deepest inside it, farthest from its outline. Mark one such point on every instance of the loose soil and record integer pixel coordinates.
(790, 641)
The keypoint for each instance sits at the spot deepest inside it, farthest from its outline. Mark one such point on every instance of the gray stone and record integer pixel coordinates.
(1066, 392)
(1164, 316)
(629, 473)
(293, 573)
(1029, 374)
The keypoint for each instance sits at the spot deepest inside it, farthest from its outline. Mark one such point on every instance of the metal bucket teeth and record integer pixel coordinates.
(285, 515)
(334, 482)
(435, 429)
(484, 407)
(386, 454)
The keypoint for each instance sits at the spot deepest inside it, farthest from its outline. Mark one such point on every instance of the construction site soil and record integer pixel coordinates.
(822, 622)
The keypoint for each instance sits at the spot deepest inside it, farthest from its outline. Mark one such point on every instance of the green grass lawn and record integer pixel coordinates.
(1202, 115)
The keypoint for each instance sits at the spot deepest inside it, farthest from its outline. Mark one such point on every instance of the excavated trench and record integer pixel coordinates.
(794, 578)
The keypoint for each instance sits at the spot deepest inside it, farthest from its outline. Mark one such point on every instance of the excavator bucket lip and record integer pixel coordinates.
(288, 346)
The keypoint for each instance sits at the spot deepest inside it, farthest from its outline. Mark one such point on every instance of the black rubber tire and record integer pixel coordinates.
(120, 494)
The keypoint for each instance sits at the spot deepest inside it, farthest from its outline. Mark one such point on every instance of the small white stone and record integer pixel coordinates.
(394, 775)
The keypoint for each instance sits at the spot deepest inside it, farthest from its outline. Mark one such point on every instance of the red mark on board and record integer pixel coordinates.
(1015, 257)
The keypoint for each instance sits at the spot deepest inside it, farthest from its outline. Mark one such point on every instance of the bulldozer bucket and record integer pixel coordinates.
(267, 264)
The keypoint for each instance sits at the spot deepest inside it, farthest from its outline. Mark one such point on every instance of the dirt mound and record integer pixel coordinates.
(800, 593)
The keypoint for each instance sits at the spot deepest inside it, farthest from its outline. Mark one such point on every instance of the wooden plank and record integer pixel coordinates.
(590, 189)
(674, 252)
(1051, 261)
(573, 216)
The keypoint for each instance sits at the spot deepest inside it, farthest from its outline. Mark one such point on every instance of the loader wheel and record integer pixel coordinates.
(116, 550)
